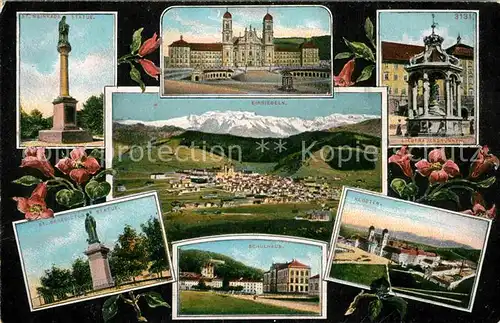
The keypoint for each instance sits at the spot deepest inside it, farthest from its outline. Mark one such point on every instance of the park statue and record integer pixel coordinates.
(91, 230)
(63, 32)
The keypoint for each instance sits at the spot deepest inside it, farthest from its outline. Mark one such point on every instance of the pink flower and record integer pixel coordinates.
(478, 208)
(438, 169)
(149, 45)
(79, 166)
(35, 158)
(34, 207)
(149, 67)
(402, 159)
(483, 163)
(344, 78)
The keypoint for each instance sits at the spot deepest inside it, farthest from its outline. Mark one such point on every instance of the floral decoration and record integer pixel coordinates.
(357, 50)
(445, 180)
(136, 57)
(81, 181)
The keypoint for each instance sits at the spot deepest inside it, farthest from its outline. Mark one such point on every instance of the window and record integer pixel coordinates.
(403, 91)
(306, 288)
(307, 273)
(301, 273)
(395, 77)
(405, 77)
(301, 288)
(296, 280)
(291, 280)
(396, 91)
(302, 280)
(386, 76)
(291, 288)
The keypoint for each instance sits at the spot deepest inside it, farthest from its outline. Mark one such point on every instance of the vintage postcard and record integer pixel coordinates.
(426, 253)
(239, 51)
(59, 97)
(428, 59)
(250, 277)
(94, 252)
(245, 166)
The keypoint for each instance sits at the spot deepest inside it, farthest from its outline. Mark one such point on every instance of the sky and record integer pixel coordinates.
(261, 253)
(149, 107)
(91, 60)
(62, 242)
(411, 28)
(204, 25)
(396, 215)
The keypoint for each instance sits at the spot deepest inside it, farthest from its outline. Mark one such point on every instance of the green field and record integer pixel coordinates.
(209, 303)
(358, 274)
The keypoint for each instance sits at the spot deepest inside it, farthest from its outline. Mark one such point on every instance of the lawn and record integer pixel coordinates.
(209, 303)
(358, 274)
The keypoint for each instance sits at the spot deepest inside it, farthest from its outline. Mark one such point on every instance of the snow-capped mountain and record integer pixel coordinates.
(249, 124)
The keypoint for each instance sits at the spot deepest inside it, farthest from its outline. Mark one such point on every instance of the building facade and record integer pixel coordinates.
(254, 287)
(315, 285)
(290, 277)
(247, 50)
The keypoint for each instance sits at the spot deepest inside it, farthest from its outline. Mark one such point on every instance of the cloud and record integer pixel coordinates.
(87, 77)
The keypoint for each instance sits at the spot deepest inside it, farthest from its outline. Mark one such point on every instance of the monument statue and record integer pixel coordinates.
(63, 31)
(64, 123)
(90, 227)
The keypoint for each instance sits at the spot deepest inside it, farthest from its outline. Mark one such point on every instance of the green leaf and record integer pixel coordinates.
(398, 304)
(27, 180)
(136, 41)
(374, 309)
(70, 198)
(410, 190)
(110, 308)
(361, 50)
(487, 182)
(354, 303)
(369, 29)
(136, 76)
(96, 190)
(398, 185)
(444, 195)
(343, 55)
(96, 153)
(154, 299)
(366, 73)
(380, 286)
(104, 172)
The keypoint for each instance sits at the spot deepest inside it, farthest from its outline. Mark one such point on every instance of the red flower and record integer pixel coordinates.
(149, 46)
(402, 159)
(79, 166)
(438, 169)
(35, 158)
(344, 78)
(149, 67)
(34, 207)
(483, 163)
(478, 208)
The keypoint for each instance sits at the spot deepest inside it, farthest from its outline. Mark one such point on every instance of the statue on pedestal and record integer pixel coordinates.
(63, 32)
(90, 227)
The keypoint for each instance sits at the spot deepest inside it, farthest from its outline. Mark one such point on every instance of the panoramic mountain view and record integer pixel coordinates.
(263, 170)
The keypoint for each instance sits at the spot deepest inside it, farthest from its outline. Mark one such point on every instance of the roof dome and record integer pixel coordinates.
(227, 14)
(268, 17)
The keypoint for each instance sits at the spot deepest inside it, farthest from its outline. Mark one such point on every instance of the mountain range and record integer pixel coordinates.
(249, 124)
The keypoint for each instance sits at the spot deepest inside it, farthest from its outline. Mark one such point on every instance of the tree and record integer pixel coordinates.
(32, 123)
(80, 270)
(57, 282)
(129, 257)
(91, 117)
(155, 246)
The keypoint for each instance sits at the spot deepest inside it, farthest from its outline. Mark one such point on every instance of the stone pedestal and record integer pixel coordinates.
(435, 126)
(99, 266)
(64, 128)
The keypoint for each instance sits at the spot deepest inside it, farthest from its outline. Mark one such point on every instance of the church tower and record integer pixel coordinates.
(227, 39)
(268, 39)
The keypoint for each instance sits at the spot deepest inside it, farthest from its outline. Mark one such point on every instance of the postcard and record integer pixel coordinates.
(59, 98)
(249, 276)
(246, 165)
(276, 50)
(428, 59)
(94, 251)
(427, 254)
